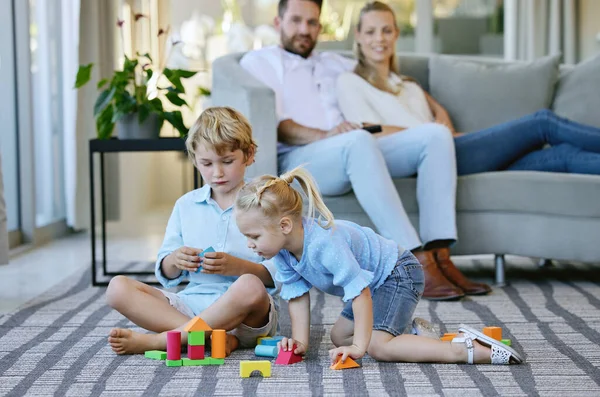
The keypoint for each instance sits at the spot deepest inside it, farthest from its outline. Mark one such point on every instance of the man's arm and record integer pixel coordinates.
(292, 133)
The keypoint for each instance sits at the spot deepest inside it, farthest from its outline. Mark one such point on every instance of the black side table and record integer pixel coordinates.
(117, 146)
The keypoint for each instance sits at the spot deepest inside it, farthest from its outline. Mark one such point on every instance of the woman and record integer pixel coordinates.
(375, 93)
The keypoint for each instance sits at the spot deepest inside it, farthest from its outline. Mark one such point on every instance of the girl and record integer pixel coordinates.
(376, 93)
(379, 282)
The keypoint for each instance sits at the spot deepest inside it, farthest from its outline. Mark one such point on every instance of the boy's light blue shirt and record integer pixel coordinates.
(341, 261)
(197, 221)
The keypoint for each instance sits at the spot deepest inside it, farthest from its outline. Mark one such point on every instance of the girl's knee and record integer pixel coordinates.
(117, 291)
(250, 289)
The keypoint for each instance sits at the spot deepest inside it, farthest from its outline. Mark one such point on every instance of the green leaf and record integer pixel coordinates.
(104, 123)
(204, 91)
(145, 55)
(101, 83)
(83, 75)
(186, 74)
(157, 106)
(149, 74)
(103, 100)
(176, 120)
(143, 113)
(129, 64)
(176, 99)
(174, 78)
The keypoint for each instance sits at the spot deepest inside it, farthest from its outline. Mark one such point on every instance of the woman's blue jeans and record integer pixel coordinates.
(519, 145)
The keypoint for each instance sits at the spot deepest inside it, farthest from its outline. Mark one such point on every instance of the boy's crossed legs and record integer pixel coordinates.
(246, 302)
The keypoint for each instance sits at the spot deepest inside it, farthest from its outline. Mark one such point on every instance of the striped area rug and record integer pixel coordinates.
(56, 345)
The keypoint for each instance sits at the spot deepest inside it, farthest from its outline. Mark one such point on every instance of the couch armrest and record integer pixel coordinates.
(233, 86)
(3, 231)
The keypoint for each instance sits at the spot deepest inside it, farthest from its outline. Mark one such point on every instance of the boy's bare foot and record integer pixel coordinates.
(126, 341)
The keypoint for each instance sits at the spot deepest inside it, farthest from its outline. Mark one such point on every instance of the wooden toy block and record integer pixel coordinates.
(216, 361)
(174, 363)
(194, 363)
(201, 255)
(197, 324)
(349, 363)
(507, 342)
(247, 367)
(265, 351)
(218, 340)
(493, 332)
(173, 345)
(288, 357)
(196, 352)
(448, 337)
(196, 338)
(156, 355)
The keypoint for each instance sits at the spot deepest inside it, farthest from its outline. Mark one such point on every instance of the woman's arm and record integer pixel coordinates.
(440, 114)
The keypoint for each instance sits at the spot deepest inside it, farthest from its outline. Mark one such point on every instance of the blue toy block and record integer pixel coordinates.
(201, 255)
(266, 351)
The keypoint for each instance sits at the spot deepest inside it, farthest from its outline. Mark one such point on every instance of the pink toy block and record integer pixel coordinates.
(174, 345)
(288, 357)
(196, 352)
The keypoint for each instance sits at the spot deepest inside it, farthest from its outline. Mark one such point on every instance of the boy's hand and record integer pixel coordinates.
(221, 263)
(186, 258)
(353, 351)
(287, 344)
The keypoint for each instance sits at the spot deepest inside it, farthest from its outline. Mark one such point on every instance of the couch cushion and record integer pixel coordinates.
(480, 94)
(578, 93)
(507, 191)
(415, 66)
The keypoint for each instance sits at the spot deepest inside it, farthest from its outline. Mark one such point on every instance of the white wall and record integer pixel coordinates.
(588, 29)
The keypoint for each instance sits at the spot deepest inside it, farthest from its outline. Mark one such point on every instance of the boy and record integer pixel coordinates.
(229, 291)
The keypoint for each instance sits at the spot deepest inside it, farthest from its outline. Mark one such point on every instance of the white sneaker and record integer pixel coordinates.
(422, 327)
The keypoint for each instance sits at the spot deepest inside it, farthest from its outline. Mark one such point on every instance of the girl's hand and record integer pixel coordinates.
(221, 263)
(353, 351)
(287, 344)
(186, 258)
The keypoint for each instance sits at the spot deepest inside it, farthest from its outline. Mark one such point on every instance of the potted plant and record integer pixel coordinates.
(131, 97)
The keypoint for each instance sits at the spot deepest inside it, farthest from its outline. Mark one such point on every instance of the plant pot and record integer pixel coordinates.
(129, 127)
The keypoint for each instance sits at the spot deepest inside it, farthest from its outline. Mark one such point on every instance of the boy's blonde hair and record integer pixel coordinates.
(275, 197)
(222, 129)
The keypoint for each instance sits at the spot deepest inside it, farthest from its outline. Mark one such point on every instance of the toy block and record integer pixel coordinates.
(156, 355)
(173, 345)
(493, 332)
(196, 352)
(288, 357)
(218, 341)
(196, 338)
(349, 363)
(195, 363)
(265, 351)
(448, 337)
(201, 255)
(216, 361)
(507, 342)
(174, 363)
(196, 324)
(269, 341)
(247, 367)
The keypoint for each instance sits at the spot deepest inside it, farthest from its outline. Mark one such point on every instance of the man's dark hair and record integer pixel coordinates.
(282, 7)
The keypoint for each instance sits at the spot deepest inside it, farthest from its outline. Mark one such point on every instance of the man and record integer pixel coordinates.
(343, 157)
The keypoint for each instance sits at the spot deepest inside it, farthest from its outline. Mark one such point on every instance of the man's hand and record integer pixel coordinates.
(221, 263)
(345, 126)
(353, 351)
(184, 258)
(287, 344)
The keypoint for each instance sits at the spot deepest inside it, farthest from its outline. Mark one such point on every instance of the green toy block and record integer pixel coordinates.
(156, 355)
(196, 338)
(193, 363)
(174, 363)
(216, 361)
(506, 342)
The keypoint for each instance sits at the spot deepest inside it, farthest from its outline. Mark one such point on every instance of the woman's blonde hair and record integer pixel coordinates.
(222, 129)
(276, 198)
(363, 69)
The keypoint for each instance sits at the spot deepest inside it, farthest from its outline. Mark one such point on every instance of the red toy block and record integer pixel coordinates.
(196, 352)
(288, 357)
(174, 345)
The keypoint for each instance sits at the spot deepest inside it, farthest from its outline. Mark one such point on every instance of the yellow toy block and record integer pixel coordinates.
(246, 368)
(197, 324)
(493, 332)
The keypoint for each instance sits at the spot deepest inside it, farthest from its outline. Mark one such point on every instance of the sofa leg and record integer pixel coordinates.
(545, 262)
(500, 268)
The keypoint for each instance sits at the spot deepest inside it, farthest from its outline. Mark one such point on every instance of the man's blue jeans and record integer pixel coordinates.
(519, 145)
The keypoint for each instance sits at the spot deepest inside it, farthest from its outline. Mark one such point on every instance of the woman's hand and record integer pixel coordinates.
(221, 263)
(287, 344)
(352, 351)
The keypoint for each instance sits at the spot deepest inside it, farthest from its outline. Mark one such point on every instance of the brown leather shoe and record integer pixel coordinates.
(442, 257)
(437, 286)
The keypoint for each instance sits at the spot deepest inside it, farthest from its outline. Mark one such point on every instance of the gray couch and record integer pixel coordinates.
(3, 231)
(534, 214)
